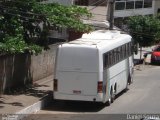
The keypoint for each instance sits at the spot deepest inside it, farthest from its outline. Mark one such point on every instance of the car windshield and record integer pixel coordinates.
(157, 49)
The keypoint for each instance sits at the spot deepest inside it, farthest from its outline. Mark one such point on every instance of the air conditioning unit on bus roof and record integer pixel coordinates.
(101, 35)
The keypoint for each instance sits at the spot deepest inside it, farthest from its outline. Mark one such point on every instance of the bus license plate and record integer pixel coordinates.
(77, 91)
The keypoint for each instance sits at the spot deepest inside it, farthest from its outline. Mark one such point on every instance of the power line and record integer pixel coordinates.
(43, 14)
(93, 20)
(20, 11)
(100, 14)
(17, 15)
(95, 3)
(9, 8)
(22, 16)
(118, 29)
(142, 34)
(17, 1)
(98, 5)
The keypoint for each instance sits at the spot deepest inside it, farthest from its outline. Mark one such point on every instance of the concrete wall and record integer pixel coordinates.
(156, 5)
(134, 11)
(14, 71)
(42, 65)
(61, 33)
(99, 13)
(64, 2)
(127, 13)
(19, 70)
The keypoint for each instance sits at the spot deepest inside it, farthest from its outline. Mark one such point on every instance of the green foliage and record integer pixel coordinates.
(65, 16)
(25, 24)
(11, 38)
(15, 44)
(145, 30)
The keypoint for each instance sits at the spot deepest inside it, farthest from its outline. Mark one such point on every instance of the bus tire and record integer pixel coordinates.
(108, 103)
(127, 87)
(112, 97)
(129, 79)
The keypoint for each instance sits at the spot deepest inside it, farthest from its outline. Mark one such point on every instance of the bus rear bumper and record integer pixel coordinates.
(72, 97)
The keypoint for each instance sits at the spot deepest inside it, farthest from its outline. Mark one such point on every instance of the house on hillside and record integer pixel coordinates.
(127, 8)
(123, 8)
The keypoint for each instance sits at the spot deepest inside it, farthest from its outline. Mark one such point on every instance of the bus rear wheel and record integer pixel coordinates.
(129, 79)
(109, 102)
(111, 98)
(127, 87)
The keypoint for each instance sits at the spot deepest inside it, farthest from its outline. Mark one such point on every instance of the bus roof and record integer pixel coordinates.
(101, 35)
(101, 39)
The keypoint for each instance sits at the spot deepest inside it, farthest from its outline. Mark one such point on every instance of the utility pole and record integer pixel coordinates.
(111, 13)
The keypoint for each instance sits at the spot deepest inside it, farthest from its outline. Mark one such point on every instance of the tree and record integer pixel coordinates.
(25, 23)
(145, 30)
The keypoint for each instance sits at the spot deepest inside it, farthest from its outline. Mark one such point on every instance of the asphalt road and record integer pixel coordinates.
(143, 97)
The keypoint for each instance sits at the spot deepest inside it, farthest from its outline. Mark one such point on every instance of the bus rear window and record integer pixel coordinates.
(81, 59)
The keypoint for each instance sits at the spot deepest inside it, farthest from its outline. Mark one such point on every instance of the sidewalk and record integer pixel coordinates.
(144, 50)
(29, 101)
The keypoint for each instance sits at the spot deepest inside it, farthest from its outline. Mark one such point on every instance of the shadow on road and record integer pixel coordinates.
(78, 106)
(75, 106)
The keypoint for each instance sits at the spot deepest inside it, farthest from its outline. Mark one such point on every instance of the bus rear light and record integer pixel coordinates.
(55, 85)
(100, 87)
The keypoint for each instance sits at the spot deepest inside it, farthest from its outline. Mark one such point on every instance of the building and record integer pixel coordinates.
(127, 8)
(133, 7)
(97, 7)
(123, 8)
(64, 2)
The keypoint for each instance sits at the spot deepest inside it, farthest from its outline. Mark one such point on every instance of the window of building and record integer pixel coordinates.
(120, 5)
(129, 4)
(132, 4)
(139, 4)
(90, 2)
(81, 2)
(158, 11)
(147, 3)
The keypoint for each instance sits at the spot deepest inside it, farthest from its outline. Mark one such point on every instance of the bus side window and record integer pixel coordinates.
(130, 49)
(126, 50)
(108, 64)
(104, 61)
(122, 53)
(119, 54)
(113, 57)
(110, 58)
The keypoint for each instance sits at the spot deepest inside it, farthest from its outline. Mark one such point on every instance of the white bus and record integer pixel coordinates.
(95, 67)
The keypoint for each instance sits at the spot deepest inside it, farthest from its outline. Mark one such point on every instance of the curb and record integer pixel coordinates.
(47, 99)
